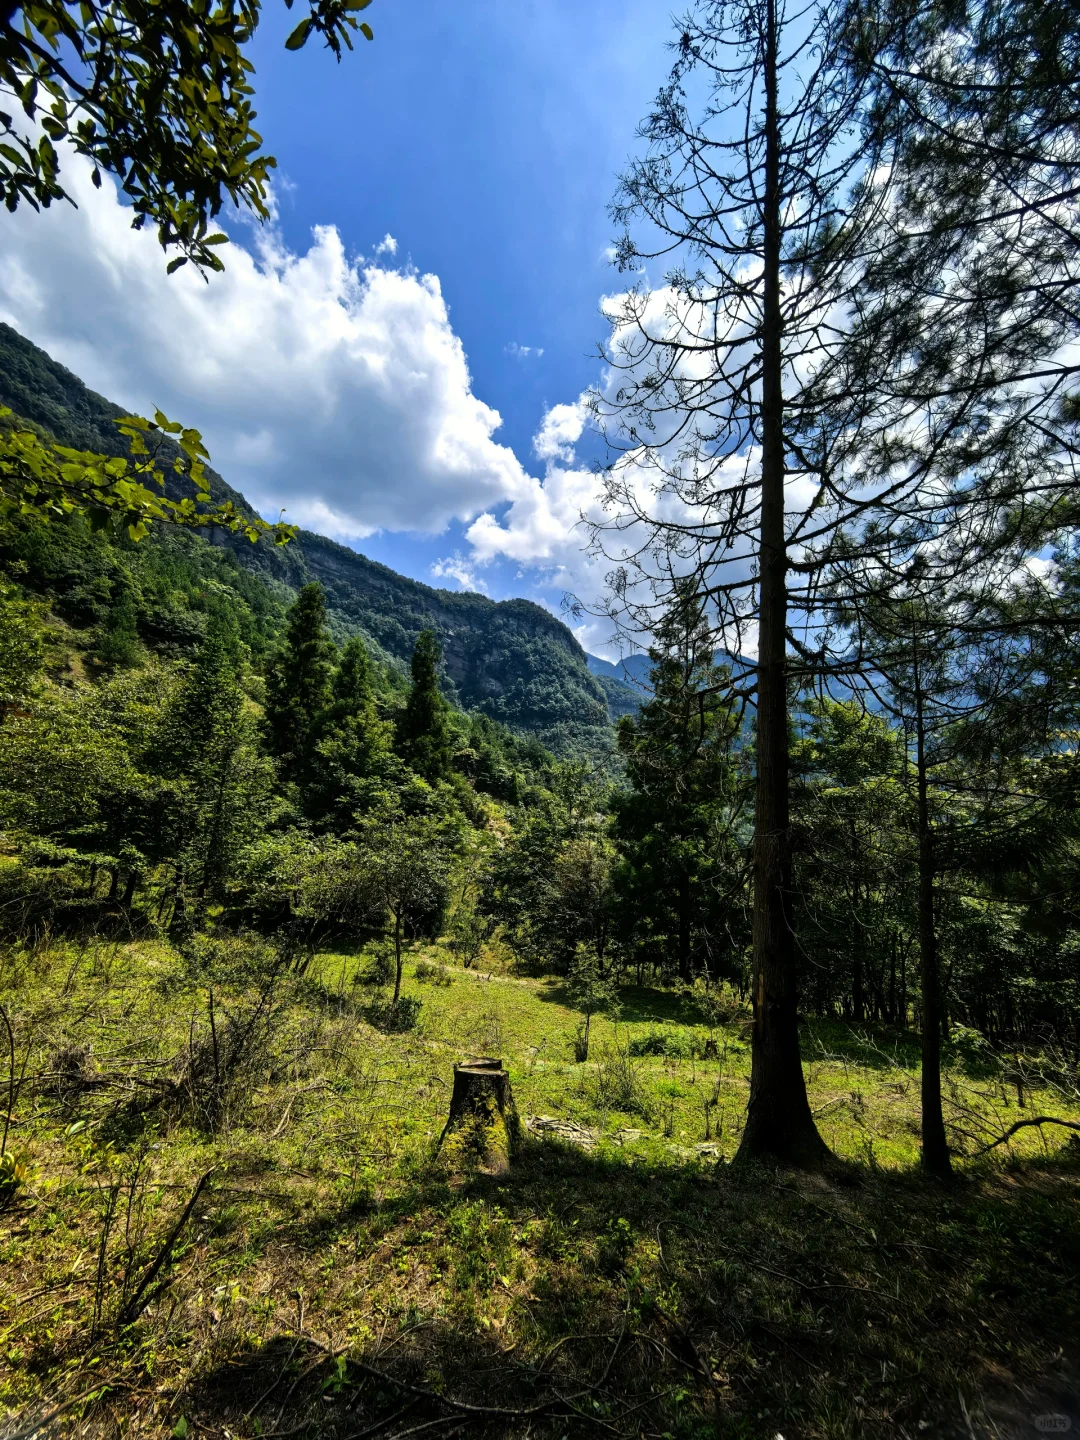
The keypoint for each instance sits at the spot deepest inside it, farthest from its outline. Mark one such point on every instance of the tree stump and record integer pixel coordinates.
(483, 1129)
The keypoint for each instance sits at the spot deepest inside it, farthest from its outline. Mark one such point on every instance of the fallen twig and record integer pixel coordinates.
(460, 1405)
(51, 1415)
(143, 1295)
(1023, 1124)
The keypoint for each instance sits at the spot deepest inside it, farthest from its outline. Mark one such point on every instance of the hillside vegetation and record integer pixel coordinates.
(511, 659)
(260, 893)
(337, 1274)
(411, 1026)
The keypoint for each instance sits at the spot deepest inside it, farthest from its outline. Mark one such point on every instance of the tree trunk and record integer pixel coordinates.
(858, 998)
(129, 889)
(935, 1148)
(684, 927)
(483, 1126)
(779, 1124)
(397, 956)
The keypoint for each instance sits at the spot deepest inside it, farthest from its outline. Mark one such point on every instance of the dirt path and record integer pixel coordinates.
(492, 978)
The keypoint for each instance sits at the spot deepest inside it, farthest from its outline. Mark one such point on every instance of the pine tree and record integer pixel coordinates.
(681, 880)
(423, 732)
(215, 783)
(298, 685)
(723, 465)
(120, 640)
(356, 745)
(352, 689)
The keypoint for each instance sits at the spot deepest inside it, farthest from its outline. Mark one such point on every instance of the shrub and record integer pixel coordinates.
(720, 1006)
(385, 1015)
(679, 1044)
(381, 969)
(618, 1083)
(614, 1246)
(429, 974)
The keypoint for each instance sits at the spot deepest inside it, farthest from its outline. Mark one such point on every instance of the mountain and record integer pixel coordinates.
(632, 671)
(624, 685)
(511, 659)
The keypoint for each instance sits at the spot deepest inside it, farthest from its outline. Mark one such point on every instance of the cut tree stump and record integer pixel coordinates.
(483, 1129)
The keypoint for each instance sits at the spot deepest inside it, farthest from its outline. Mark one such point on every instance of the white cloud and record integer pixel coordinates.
(335, 389)
(560, 430)
(328, 386)
(457, 567)
(522, 352)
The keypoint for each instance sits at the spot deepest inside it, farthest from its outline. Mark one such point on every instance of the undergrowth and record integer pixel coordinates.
(226, 1216)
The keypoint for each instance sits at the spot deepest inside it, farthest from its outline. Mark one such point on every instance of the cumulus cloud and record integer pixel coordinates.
(561, 429)
(324, 384)
(457, 567)
(333, 388)
(523, 352)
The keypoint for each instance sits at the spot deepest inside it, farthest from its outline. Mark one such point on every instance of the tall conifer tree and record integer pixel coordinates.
(674, 825)
(723, 471)
(424, 737)
(298, 684)
(356, 744)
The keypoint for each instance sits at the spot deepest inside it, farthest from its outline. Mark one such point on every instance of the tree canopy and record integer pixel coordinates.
(157, 94)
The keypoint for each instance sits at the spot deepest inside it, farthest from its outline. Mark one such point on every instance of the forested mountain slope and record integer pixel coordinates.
(511, 659)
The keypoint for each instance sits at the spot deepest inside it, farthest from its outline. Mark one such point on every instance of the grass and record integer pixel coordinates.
(336, 1279)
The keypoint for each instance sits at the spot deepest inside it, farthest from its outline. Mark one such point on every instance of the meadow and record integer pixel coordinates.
(225, 1214)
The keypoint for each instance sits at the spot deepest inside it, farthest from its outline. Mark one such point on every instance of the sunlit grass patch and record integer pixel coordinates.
(620, 1261)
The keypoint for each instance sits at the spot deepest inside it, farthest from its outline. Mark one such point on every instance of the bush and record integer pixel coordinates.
(679, 1044)
(385, 1015)
(381, 969)
(618, 1083)
(429, 974)
(614, 1246)
(720, 1006)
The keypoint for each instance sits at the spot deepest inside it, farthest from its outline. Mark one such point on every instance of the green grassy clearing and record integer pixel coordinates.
(632, 1286)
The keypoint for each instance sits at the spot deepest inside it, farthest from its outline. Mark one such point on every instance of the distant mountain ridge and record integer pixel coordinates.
(511, 659)
(632, 671)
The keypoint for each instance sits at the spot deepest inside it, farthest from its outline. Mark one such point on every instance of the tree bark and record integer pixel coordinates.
(779, 1124)
(483, 1119)
(935, 1147)
(684, 927)
(858, 997)
(397, 956)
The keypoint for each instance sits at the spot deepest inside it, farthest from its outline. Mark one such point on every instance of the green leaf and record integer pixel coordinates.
(175, 264)
(366, 30)
(358, 4)
(181, 1428)
(299, 35)
(216, 240)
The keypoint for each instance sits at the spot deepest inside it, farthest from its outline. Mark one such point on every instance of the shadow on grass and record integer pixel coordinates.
(875, 1047)
(582, 1295)
(637, 1003)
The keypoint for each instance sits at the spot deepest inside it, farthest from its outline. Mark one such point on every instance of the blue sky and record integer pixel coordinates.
(356, 383)
(486, 138)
